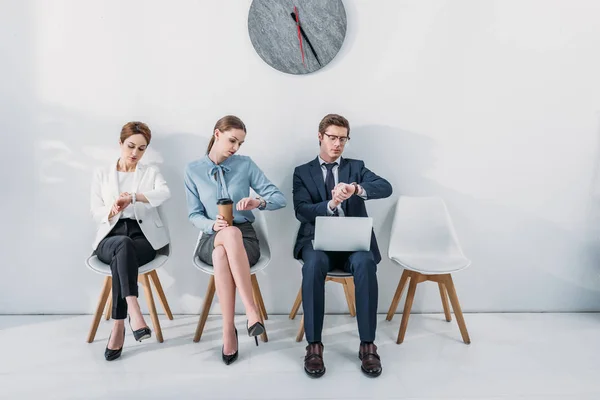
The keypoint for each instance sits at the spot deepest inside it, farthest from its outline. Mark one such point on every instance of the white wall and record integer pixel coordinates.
(493, 105)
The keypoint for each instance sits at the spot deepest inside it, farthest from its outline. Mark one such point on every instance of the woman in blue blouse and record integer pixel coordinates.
(230, 249)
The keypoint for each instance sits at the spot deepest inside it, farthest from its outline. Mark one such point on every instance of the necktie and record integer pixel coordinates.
(329, 179)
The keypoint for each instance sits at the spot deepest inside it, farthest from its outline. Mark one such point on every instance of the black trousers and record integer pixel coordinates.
(314, 271)
(125, 248)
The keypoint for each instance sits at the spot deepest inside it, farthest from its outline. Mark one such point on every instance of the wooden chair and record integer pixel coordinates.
(345, 279)
(147, 273)
(423, 242)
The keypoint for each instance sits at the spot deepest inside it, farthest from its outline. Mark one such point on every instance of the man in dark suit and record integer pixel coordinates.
(334, 186)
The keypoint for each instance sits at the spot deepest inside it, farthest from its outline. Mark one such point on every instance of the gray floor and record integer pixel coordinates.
(512, 356)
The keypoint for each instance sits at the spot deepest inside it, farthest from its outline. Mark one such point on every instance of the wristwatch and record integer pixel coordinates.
(263, 203)
(133, 200)
(356, 188)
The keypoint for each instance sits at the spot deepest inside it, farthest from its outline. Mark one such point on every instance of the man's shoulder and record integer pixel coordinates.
(354, 161)
(305, 165)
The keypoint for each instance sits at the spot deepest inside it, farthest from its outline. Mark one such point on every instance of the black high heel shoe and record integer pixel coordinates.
(110, 354)
(140, 334)
(230, 358)
(256, 329)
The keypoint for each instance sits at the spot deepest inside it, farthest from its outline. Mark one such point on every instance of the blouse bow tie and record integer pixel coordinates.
(217, 172)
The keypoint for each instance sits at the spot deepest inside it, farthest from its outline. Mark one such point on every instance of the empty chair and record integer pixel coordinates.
(423, 242)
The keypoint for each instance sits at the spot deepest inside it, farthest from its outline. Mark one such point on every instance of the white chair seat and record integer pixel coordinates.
(430, 265)
(104, 269)
(336, 273)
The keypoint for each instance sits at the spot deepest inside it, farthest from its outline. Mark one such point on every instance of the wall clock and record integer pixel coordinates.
(297, 36)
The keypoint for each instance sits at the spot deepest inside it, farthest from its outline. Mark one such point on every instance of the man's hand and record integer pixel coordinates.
(344, 190)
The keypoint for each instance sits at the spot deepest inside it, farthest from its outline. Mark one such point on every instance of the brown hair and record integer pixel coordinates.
(136, 128)
(224, 124)
(333, 119)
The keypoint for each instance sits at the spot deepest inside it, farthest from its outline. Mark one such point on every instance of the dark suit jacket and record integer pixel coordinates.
(310, 200)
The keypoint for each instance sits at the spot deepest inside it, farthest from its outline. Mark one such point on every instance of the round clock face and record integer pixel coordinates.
(297, 36)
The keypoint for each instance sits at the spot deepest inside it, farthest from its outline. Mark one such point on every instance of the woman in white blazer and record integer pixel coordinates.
(125, 197)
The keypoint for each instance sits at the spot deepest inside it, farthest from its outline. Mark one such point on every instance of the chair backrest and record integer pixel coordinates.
(297, 226)
(165, 250)
(260, 226)
(422, 225)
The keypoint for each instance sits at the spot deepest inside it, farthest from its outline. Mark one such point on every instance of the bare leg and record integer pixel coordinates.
(231, 239)
(133, 308)
(117, 337)
(226, 293)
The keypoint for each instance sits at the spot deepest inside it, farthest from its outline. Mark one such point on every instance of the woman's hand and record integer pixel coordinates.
(220, 223)
(122, 202)
(247, 203)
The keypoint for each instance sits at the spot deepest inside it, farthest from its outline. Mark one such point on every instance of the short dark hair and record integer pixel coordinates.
(333, 119)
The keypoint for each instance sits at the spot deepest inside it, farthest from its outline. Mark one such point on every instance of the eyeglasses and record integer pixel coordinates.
(333, 138)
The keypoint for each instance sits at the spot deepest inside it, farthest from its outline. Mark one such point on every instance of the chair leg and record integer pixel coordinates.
(349, 296)
(397, 295)
(208, 299)
(161, 294)
(99, 308)
(300, 334)
(261, 302)
(296, 305)
(412, 288)
(152, 307)
(457, 311)
(352, 290)
(108, 306)
(444, 297)
(255, 294)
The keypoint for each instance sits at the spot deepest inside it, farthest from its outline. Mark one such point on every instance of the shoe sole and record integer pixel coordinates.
(147, 336)
(229, 362)
(112, 358)
(256, 331)
(371, 374)
(315, 374)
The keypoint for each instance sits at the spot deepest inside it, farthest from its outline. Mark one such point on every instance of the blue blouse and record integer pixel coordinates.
(240, 174)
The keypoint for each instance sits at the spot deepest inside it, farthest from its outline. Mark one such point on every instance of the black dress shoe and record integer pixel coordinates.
(111, 355)
(313, 361)
(371, 363)
(255, 330)
(140, 334)
(230, 358)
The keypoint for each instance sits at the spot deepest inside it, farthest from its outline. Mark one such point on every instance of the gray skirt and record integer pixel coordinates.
(249, 238)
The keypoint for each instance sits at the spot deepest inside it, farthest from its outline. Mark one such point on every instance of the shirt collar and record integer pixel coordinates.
(338, 160)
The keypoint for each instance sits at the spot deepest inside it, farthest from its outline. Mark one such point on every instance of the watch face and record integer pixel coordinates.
(297, 36)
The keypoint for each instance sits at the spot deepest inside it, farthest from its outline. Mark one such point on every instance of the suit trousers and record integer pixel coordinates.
(125, 248)
(314, 271)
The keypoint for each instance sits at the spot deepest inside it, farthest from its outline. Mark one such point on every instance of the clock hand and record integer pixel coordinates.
(312, 49)
(299, 37)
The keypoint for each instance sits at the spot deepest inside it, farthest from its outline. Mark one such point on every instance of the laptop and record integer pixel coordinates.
(343, 233)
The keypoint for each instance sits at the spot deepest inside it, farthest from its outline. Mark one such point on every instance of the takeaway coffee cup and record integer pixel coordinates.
(225, 207)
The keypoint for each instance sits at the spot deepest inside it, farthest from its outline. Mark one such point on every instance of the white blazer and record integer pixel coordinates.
(148, 181)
